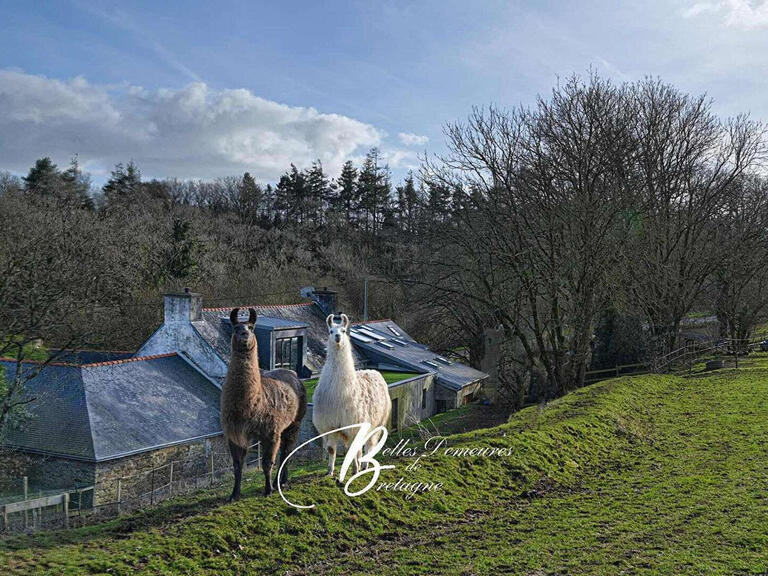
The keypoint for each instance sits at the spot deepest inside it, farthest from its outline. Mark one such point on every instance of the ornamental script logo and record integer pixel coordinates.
(364, 433)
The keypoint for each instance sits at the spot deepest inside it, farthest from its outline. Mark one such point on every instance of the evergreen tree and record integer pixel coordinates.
(76, 186)
(408, 204)
(182, 252)
(43, 179)
(249, 199)
(69, 188)
(124, 186)
(439, 200)
(374, 191)
(316, 192)
(347, 197)
(269, 216)
(291, 196)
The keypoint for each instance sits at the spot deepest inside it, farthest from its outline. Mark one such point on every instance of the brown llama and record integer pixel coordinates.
(258, 406)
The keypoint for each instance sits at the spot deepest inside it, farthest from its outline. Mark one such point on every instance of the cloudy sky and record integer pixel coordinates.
(204, 89)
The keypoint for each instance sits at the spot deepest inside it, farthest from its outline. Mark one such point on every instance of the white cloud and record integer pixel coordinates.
(192, 132)
(700, 8)
(742, 14)
(412, 139)
(401, 159)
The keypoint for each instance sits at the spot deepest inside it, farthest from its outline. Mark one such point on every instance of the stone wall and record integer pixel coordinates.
(13, 467)
(43, 472)
(190, 460)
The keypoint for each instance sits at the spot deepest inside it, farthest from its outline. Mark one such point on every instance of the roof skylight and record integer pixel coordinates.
(370, 334)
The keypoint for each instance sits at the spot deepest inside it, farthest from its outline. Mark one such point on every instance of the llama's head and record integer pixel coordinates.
(338, 332)
(243, 337)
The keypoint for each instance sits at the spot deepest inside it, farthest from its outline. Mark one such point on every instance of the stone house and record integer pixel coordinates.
(98, 418)
(91, 423)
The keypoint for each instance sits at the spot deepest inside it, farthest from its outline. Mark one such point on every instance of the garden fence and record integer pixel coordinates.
(80, 506)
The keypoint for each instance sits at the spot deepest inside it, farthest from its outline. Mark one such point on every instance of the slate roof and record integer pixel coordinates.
(89, 356)
(384, 339)
(59, 421)
(306, 315)
(107, 410)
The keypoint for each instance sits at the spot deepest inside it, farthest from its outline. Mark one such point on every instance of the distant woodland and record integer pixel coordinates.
(586, 227)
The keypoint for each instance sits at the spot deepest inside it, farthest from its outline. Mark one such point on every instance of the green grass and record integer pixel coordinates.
(390, 377)
(699, 314)
(638, 475)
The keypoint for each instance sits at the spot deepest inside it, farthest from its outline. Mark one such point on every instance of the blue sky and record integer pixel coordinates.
(204, 89)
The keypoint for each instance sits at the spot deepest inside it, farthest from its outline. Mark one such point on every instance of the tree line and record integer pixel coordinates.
(587, 227)
(595, 221)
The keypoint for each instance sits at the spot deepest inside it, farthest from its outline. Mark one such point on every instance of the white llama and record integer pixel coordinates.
(345, 396)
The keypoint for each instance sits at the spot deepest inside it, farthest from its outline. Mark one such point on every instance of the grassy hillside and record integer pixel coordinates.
(649, 474)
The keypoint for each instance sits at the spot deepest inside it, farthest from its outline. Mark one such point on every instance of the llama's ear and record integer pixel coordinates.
(252, 316)
(345, 321)
(329, 320)
(233, 316)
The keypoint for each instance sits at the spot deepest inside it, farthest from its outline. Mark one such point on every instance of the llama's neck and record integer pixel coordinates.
(339, 364)
(244, 373)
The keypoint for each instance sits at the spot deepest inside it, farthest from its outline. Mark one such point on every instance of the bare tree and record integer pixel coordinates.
(48, 287)
(686, 161)
(546, 191)
(741, 275)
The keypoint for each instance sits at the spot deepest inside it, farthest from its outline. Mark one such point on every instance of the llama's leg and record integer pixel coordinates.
(357, 461)
(368, 447)
(372, 441)
(330, 446)
(238, 459)
(287, 444)
(347, 441)
(268, 457)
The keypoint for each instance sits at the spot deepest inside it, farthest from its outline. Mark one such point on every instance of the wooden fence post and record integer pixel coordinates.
(119, 494)
(26, 496)
(152, 493)
(66, 510)
(170, 484)
(211, 467)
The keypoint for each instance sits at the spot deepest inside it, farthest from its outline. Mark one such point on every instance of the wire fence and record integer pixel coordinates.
(683, 358)
(84, 505)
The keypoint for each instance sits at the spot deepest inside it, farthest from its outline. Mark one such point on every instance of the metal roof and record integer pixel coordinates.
(385, 341)
(103, 411)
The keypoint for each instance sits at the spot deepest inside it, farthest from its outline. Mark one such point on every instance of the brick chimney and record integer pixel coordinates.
(183, 307)
(326, 299)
